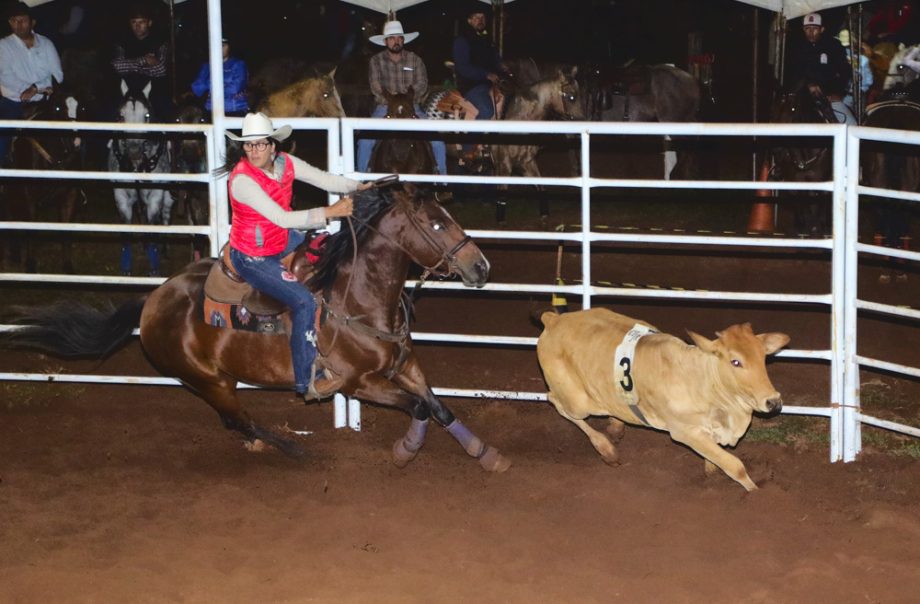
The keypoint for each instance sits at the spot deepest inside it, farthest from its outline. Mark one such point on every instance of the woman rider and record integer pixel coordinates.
(263, 231)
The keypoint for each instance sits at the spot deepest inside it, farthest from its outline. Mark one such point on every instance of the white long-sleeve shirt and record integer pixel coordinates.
(245, 190)
(21, 66)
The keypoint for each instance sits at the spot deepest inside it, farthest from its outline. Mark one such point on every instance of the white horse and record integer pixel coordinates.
(140, 155)
(904, 67)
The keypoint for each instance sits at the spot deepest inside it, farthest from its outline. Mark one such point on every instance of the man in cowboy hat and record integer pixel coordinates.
(29, 65)
(395, 70)
(821, 62)
(476, 61)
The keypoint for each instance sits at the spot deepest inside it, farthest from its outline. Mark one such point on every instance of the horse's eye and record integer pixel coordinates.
(736, 363)
(437, 226)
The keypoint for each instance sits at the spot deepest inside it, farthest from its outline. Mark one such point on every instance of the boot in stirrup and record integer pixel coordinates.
(323, 383)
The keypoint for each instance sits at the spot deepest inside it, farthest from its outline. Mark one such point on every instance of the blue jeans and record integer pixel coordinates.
(268, 275)
(366, 145)
(9, 110)
(481, 98)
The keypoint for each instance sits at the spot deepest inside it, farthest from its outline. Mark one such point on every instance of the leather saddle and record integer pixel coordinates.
(224, 284)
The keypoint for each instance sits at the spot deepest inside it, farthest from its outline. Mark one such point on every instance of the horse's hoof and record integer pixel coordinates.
(401, 455)
(493, 461)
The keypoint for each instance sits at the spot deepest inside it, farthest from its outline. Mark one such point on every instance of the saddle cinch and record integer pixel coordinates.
(232, 303)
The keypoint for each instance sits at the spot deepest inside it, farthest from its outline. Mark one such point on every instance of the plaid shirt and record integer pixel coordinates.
(397, 77)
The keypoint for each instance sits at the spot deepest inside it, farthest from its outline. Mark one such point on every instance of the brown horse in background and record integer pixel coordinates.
(397, 154)
(364, 336)
(23, 199)
(310, 97)
(804, 159)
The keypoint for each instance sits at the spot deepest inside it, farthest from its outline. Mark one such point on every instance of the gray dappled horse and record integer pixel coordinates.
(140, 155)
(557, 95)
(643, 93)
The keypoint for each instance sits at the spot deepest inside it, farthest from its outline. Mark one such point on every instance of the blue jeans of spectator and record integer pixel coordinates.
(268, 275)
(481, 98)
(366, 145)
(9, 110)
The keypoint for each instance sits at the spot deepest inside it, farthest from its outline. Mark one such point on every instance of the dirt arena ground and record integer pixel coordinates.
(121, 493)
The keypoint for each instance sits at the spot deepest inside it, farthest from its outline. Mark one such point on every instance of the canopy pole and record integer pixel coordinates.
(172, 50)
(755, 70)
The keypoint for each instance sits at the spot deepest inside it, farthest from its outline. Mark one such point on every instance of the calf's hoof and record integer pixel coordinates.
(493, 461)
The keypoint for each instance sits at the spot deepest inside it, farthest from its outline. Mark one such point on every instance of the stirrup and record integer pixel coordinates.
(323, 383)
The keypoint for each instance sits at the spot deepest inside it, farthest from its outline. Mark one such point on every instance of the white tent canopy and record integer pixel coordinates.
(789, 8)
(797, 8)
(384, 6)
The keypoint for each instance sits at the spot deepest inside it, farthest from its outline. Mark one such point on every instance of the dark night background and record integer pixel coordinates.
(574, 31)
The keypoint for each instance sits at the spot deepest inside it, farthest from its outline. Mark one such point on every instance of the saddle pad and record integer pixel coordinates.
(238, 317)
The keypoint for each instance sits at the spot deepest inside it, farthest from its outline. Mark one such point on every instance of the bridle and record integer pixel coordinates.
(447, 257)
(400, 335)
(566, 95)
(803, 165)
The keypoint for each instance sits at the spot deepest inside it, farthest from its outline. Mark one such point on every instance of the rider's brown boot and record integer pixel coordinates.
(324, 384)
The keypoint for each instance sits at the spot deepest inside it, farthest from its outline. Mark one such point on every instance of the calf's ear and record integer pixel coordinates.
(773, 341)
(704, 344)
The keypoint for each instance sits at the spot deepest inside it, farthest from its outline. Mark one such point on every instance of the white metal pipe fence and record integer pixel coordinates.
(841, 301)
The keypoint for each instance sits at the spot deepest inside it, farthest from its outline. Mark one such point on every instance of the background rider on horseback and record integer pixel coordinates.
(821, 62)
(28, 62)
(477, 62)
(263, 232)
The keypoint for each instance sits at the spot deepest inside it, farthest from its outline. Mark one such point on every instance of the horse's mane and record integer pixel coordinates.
(339, 248)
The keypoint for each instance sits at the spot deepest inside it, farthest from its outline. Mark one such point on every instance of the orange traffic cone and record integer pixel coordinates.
(762, 212)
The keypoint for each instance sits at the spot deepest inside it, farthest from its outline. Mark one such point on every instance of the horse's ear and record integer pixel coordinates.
(331, 74)
(124, 88)
(573, 71)
(147, 89)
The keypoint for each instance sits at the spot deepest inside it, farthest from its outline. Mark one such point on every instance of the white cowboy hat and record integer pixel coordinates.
(256, 126)
(393, 28)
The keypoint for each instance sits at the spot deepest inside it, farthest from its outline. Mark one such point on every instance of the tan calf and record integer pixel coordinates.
(702, 395)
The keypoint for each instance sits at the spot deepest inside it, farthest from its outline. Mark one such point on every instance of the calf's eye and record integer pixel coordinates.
(736, 363)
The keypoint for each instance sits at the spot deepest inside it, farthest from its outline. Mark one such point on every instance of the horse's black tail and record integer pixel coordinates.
(68, 329)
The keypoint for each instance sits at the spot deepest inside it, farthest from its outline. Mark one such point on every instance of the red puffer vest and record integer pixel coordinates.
(251, 233)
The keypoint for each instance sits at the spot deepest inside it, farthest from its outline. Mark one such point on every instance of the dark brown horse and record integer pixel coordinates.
(395, 153)
(23, 199)
(364, 335)
(804, 159)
